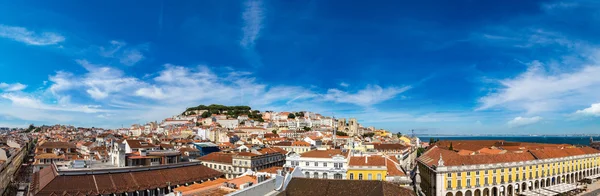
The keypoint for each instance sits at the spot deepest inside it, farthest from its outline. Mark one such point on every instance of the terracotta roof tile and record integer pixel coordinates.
(367, 161)
(219, 157)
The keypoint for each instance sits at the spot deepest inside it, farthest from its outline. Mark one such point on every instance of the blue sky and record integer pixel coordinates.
(432, 66)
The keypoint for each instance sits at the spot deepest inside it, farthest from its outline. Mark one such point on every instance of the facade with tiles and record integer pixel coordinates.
(503, 175)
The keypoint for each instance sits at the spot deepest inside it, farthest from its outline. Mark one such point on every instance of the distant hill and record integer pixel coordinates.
(230, 111)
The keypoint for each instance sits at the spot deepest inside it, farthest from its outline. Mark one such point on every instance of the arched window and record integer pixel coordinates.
(325, 176)
(370, 176)
(351, 176)
(307, 175)
(378, 176)
(316, 174)
(359, 176)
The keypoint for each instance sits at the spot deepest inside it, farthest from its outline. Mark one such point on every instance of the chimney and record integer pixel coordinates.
(366, 159)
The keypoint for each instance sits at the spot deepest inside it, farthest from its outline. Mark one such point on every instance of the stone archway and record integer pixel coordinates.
(494, 191)
(477, 192)
(449, 194)
(553, 182)
(568, 178)
(537, 185)
(459, 193)
(543, 182)
(509, 190)
(524, 186)
(486, 192)
(530, 185)
(502, 190)
(468, 193)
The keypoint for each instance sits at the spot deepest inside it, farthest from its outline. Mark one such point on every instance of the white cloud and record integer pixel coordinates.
(127, 55)
(12, 87)
(34, 103)
(372, 94)
(99, 82)
(21, 34)
(523, 121)
(253, 17)
(538, 90)
(593, 110)
(343, 84)
(131, 57)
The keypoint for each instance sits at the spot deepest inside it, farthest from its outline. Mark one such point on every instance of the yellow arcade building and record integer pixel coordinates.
(499, 168)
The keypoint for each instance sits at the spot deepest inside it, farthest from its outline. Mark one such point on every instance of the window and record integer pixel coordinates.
(316, 174)
(468, 174)
(468, 182)
(325, 176)
(351, 176)
(486, 180)
(219, 166)
(486, 172)
(370, 176)
(449, 175)
(307, 175)
(316, 164)
(307, 163)
(378, 176)
(458, 183)
(360, 176)
(338, 176)
(477, 181)
(477, 173)
(458, 174)
(324, 164)
(449, 183)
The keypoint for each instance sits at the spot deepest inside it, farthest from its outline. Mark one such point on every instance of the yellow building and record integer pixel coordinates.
(367, 168)
(382, 133)
(444, 172)
(405, 139)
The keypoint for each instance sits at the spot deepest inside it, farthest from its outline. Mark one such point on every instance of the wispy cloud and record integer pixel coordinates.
(371, 95)
(538, 90)
(127, 55)
(12, 87)
(34, 103)
(26, 36)
(253, 17)
(343, 84)
(523, 121)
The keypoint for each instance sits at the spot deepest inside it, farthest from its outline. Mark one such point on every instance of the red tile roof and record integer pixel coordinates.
(367, 161)
(50, 182)
(219, 157)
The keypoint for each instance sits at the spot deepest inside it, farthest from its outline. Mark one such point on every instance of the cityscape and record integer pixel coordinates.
(300, 98)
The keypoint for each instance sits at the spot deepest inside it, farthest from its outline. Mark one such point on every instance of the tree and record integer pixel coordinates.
(306, 128)
(368, 135)
(399, 134)
(339, 133)
(274, 131)
(431, 140)
(206, 114)
(450, 148)
(420, 151)
(291, 116)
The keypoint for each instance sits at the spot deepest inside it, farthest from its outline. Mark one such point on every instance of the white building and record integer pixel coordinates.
(228, 123)
(327, 164)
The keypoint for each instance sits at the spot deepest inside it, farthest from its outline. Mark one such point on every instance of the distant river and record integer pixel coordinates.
(575, 140)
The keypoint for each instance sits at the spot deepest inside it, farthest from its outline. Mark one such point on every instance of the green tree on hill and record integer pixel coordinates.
(291, 116)
(450, 148)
